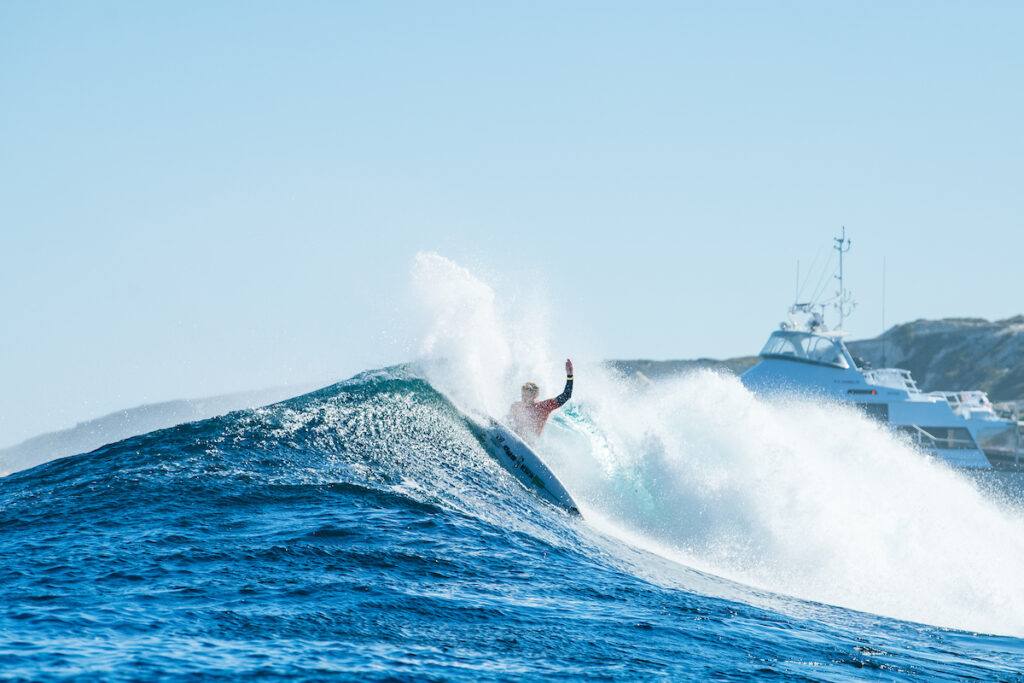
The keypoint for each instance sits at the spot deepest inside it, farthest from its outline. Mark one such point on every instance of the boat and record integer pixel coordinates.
(806, 358)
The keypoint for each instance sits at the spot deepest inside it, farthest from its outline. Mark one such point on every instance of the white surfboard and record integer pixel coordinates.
(518, 458)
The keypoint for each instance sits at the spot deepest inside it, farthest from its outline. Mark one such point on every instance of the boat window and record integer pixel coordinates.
(823, 351)
(952, 438)
(806, 347)
(779, 345)
(999, 439)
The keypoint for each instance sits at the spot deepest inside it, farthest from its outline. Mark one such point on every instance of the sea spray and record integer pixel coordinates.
(473, 348)
(804, 499)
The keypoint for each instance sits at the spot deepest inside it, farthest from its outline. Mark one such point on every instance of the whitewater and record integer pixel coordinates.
(360, 532)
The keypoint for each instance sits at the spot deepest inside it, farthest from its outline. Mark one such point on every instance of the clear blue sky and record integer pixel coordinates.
(198, 198)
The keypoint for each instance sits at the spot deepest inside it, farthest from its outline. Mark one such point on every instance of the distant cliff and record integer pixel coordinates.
(942, 355)
(955, 353)
(87, 436)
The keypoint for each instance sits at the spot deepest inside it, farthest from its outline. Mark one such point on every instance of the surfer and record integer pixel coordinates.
(529, 416)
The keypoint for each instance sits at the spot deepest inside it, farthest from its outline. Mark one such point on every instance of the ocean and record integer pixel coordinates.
(360, 532)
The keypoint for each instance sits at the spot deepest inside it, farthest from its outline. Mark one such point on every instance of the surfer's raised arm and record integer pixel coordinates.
(567, 392)
(529, 416)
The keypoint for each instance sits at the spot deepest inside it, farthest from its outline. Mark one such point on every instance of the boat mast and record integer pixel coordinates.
(842, 246)
(884, 365)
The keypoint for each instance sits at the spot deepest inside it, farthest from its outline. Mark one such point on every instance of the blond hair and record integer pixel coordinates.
(531, 388)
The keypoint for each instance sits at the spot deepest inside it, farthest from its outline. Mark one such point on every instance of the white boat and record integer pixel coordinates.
(961, 427)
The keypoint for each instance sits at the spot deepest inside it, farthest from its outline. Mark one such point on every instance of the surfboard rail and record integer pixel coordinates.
(522, 462)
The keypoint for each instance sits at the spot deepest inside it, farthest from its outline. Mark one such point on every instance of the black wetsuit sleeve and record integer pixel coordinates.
(566, 393)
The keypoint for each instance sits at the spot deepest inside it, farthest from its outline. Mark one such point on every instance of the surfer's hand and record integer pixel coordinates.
(568, 368)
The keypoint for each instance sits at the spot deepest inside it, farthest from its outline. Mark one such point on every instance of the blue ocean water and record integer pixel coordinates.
(360, 532)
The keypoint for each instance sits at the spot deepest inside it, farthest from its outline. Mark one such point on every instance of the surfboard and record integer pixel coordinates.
(519, 459)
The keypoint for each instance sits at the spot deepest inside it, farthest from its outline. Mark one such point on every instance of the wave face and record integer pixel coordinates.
(361, 532)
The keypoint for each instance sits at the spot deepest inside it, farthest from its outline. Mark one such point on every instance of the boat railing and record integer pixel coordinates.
(894, 378)
(926, 439)
(968, 404)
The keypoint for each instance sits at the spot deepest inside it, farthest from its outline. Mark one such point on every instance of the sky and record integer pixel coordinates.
(200, 198)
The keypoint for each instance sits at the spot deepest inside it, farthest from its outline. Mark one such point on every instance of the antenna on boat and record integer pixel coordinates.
(883, 313)
(796, 297)
(843, 303)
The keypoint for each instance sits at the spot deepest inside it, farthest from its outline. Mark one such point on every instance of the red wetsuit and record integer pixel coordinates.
(528, 419)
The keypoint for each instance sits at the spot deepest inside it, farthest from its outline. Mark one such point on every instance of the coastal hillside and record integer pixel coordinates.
(955, 353)
(86, 436)
(942, 355)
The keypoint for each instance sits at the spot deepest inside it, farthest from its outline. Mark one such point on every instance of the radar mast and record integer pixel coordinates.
(843, 302)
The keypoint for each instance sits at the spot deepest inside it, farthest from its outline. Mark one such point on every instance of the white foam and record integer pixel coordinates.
(809, 500)
(806, 500)
(475, 350)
